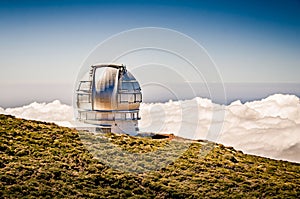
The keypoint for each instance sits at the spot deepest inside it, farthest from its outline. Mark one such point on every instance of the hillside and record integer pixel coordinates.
(44, 160)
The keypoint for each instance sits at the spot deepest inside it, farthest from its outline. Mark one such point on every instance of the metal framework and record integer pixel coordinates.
(111, 102)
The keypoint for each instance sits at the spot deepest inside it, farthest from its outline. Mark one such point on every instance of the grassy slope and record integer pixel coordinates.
(44, 160)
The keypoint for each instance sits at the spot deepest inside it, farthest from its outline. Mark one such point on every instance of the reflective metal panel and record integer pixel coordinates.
(116, 90)
(104, 93)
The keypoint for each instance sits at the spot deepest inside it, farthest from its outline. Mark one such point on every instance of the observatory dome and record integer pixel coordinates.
(110, 100)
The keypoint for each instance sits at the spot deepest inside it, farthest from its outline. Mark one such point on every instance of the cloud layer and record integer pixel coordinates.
(50, 112)
(269, 127)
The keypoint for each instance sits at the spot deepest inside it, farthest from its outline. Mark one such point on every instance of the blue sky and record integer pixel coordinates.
(45, 42)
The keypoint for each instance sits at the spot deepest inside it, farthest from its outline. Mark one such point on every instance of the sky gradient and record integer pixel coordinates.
(45, 42)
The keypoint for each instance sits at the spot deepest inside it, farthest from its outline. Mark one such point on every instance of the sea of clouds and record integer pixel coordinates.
(269, 127)
(55, 111)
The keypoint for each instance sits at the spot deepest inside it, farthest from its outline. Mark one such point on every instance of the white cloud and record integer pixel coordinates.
(269, 127)
(51, 112)
(2, 111)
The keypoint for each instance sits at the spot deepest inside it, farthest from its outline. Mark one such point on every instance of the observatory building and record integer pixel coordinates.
(109, 99)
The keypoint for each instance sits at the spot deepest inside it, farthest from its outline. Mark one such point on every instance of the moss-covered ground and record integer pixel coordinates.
(43, 160)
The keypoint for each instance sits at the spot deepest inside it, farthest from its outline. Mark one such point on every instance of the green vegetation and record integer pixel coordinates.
(48, 161)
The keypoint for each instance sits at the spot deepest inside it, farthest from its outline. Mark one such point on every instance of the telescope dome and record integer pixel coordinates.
(111, 100)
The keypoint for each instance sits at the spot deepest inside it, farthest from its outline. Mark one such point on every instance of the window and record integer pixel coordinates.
(123, 116)
(136, 86)
(123, 98)
(104, 116)
(127, 86)
(138, 97)
(128, 116)
(118, 116)
(84, 86)
(126, 98)
(131, 98)
(84, 98)
(110, 116)
(98, 116)
(90, 116)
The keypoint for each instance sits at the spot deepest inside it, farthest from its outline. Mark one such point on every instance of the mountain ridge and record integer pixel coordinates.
(40, 159)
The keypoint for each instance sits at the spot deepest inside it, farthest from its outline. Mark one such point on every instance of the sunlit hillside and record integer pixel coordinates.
(44, 160)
